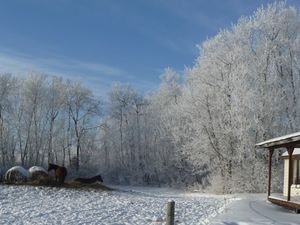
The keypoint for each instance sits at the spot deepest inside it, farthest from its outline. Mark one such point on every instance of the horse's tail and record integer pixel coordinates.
(66, 171)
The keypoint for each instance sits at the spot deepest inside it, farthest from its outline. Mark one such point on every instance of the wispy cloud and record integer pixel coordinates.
(98, 76)
(16, 62)
(103, 69)
(211, 15)
(179, 45)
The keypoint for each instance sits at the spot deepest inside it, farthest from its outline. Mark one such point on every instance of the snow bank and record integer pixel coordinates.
(45, 205)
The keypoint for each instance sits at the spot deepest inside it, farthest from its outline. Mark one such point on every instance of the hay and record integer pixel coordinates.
(16, 175)
(94, 186)
(71, 185)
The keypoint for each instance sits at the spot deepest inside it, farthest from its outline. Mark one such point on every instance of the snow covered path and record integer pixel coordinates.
(254, 209)
(45, 205)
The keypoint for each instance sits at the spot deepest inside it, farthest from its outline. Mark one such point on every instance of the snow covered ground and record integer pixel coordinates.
(45, 205)
(254, 209)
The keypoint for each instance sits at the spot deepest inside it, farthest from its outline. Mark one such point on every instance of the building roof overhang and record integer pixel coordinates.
(290, 140)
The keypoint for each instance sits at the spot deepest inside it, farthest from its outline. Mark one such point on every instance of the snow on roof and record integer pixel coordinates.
(295, 152)
(20, 169)
(280, 140)
(36, 169)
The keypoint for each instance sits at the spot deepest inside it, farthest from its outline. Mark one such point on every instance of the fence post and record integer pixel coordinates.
(170, 213)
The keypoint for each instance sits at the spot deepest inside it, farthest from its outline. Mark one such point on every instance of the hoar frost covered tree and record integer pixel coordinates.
(43, 119)
(139, 143)
(243, 88)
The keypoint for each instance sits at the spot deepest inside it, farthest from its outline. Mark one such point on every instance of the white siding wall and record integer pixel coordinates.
(295, 189)
(285, 177)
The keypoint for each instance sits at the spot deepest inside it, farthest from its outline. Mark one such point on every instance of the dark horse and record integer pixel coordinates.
(60, 172)
(89, 180)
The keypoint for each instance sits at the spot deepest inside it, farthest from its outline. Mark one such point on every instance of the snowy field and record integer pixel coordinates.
(45, 205)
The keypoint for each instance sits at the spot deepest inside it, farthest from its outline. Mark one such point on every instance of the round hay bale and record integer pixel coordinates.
(16, 174)
(37, 173)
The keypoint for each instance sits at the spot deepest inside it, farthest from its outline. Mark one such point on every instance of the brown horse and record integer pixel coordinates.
(59, 171)
(90, 180)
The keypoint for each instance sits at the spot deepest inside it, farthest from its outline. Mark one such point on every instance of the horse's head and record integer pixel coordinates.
(51, 167)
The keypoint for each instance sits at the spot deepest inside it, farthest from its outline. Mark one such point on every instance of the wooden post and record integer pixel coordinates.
(296, 175)
(170, 213)
(290, 174)
(271, 150)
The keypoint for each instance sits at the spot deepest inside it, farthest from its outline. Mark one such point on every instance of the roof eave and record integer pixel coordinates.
(293, 141)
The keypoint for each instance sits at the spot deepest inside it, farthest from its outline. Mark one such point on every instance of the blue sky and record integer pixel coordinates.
(106, 41)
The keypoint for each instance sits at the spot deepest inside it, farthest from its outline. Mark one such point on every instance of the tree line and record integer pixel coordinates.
(46, 119)
(243, 88)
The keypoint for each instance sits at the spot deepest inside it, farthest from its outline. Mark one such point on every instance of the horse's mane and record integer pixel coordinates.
(52, 166)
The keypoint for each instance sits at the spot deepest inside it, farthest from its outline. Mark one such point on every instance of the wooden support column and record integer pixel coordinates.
(297, 172)
(290, 174)
(271, 150)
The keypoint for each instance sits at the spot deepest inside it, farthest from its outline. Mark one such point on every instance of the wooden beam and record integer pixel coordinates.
(271, 150)
(290, 172)
(284, 203)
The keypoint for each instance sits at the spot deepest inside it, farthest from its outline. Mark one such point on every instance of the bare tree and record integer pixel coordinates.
(82, 106)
